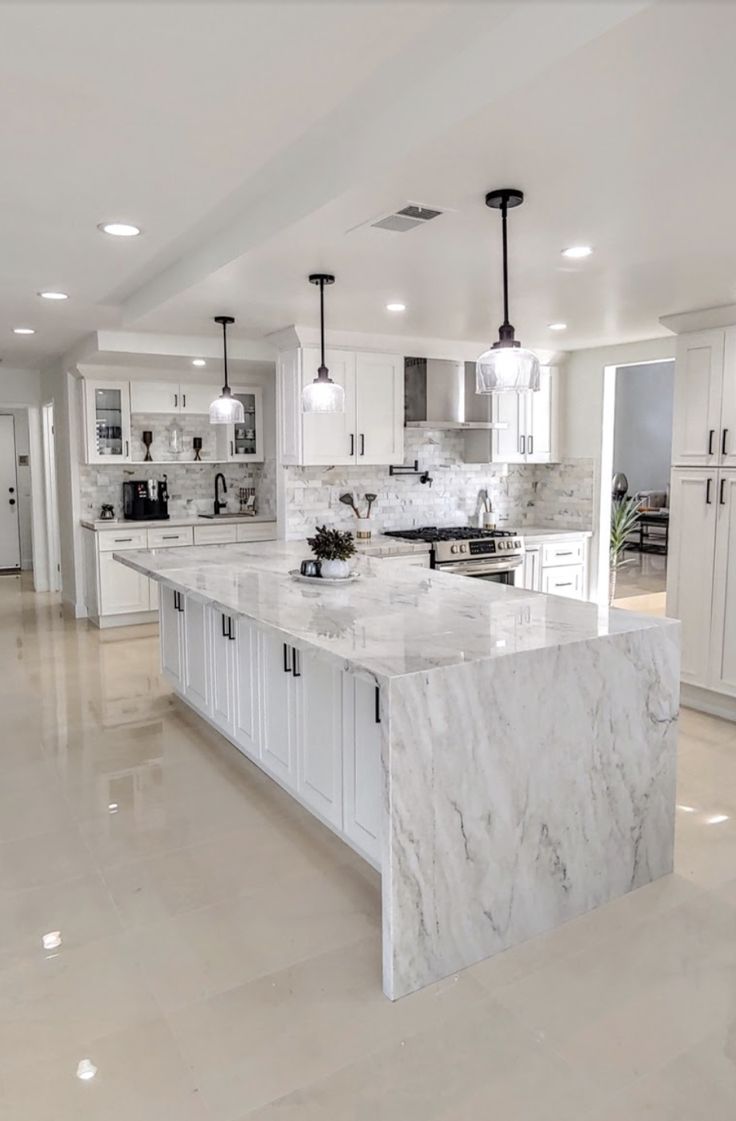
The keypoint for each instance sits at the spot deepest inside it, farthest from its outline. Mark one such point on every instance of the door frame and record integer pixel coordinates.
(51, 504)
(11, 418)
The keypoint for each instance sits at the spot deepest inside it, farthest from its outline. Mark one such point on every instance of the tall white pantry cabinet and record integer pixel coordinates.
(701, 576)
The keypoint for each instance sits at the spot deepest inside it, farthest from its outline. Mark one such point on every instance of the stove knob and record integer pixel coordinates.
(453, 548)
(501, 544)
(463, 548)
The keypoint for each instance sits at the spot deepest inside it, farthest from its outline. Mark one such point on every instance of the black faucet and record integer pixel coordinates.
(218, 504)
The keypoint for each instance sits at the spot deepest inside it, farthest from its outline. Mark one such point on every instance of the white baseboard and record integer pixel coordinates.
(705, 700)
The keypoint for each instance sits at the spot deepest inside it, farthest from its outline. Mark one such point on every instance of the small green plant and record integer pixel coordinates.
(331, 544)
(624, 520)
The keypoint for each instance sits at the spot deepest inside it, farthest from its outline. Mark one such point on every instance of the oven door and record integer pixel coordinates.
(500, 570)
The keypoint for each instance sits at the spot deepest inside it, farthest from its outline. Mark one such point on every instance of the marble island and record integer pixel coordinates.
(519, 748)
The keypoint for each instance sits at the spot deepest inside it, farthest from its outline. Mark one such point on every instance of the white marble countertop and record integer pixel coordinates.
(156, 523)
(393, 621)
(533, 532)
(382, 546)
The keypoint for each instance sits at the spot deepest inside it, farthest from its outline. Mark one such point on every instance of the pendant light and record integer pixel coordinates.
(226, 409)
(322, 395)
(507, 366)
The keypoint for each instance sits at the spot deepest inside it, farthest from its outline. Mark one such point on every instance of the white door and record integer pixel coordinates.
(197, 399)
(154, 397)
(540, 408)
(379, 381)
(697, 406)
(196, 640)
(509, 409)
(247, 730)
(329, 438)
(566, 581)
(107, 411)
(171, 633)
(278, 705)
(319, 737)
(362, 770)
(727, 442)
(693, 505)
(9, 517)
(122, 589)
(723, 628)
(222, 640)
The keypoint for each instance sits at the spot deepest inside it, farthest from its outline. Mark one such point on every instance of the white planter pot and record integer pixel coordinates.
(334, 569)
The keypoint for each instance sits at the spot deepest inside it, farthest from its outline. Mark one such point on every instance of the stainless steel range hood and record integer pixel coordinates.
(441, 394)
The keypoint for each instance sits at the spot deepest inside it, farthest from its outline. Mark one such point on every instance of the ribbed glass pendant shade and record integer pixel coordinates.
(323, 395)
(227, 409)
(506, 369)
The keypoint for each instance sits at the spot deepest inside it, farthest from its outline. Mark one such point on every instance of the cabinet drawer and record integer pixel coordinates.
(259, 531)
(564, 552)
(163, 538)
(564, 581)
(116, 541)
(215, 534)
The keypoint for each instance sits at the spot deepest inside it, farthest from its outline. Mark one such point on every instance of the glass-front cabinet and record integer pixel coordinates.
(243, 442)
(107, 421)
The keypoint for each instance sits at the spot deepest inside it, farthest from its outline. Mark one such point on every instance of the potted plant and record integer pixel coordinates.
(332, 547)
(624, 518)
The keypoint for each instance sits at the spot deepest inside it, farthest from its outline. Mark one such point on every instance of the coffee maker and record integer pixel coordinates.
(145, 500)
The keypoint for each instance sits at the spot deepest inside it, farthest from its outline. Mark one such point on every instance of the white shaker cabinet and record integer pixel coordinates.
(362, 765)
(328, 438)
(696, 434)
(530, 432)
(278, 715)
(693, 506)
(121, 589)
(243, 443)
(723, 631)
(106, 421)
(246, 717)
(196, 653)
(727, 441)
(318, 703)
(171, 633)
(222, 656)
(379, 408)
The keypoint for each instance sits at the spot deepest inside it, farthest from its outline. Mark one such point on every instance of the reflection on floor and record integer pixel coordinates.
(641, 583)
(175, 924)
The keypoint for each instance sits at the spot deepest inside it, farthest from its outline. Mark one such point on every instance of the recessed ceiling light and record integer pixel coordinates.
(119, 229)
(557, 326)
(198, 362)
(53, 295)
(395, 307)
(577, 251)
(24, 330)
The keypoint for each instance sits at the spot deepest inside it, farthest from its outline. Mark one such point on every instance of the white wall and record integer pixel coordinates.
(62, 389)
(642, 443)
(582, 428)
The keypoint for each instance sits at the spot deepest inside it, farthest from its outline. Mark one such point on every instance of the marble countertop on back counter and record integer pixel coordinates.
(391, 622)
(533, 532)
(158, 523)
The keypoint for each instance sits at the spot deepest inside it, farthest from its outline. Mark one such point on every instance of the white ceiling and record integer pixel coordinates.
(250, 139)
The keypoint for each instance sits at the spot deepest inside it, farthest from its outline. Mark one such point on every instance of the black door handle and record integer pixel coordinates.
(723, 441)
(721, 498)
(707, 491)
(287, 667)
(711, 434)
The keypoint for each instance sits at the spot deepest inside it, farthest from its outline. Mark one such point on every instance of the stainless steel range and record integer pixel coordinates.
(486, 554)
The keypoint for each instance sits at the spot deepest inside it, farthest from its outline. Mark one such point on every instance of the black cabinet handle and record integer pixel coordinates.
(523, 444)
(352, 444)
(287, 667)
(295, 662)
(184, 400)
(711, 434)
(723, 441)
(721, 497)
(530, 444)
(567, 584)
(707, 491)
(224, 631)
(230, 628)
(362, 443)
(378, 705)
(176, 400)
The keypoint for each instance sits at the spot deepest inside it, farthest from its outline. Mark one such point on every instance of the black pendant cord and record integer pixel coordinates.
(504, 234)
(224, 352)
(322, 367)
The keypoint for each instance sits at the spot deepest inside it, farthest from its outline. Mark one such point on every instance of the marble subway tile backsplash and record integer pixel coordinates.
(532, 494)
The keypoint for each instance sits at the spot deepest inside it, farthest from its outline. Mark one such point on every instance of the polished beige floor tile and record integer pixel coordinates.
(80, 909)
(46, 858)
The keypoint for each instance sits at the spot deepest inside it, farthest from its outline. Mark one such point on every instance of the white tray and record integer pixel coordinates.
(334, 580)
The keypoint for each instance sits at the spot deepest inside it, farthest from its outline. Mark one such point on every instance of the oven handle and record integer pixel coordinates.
(471, 568)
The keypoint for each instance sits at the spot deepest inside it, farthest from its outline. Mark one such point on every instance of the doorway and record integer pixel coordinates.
(52, 506)
(639, 402)
(9, 506)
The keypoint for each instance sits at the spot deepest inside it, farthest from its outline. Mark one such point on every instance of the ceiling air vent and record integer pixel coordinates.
(408, 218)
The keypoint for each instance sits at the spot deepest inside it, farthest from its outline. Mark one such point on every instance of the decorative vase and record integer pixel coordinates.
(335, 569)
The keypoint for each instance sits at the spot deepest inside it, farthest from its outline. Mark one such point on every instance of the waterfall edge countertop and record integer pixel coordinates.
(390, 622)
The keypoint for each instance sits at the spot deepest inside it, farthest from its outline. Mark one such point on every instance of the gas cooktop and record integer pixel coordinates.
(432, 533)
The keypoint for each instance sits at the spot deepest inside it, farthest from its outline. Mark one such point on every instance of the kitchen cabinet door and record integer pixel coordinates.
(319, 739)
(693, 505)
(122, 589)
(568, 581)
(107, 421)
(171, 636)
(196, 652)
(697, 405)
(154, 397)
(727, 435)
(530, 572)
(330, 438)
(278, 709)
(362, 792)
(723, 627)
(246, 715)
(509, 443)
(379, 381)
(222, 657)
(196, 399)
(541, 419)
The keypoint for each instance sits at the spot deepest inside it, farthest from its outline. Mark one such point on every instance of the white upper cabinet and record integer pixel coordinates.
(696, 435)
(727, 442)
(107, 421)
(171, 397)
(243, 443)
(693, 506)
(370, 430)
(531, 423)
